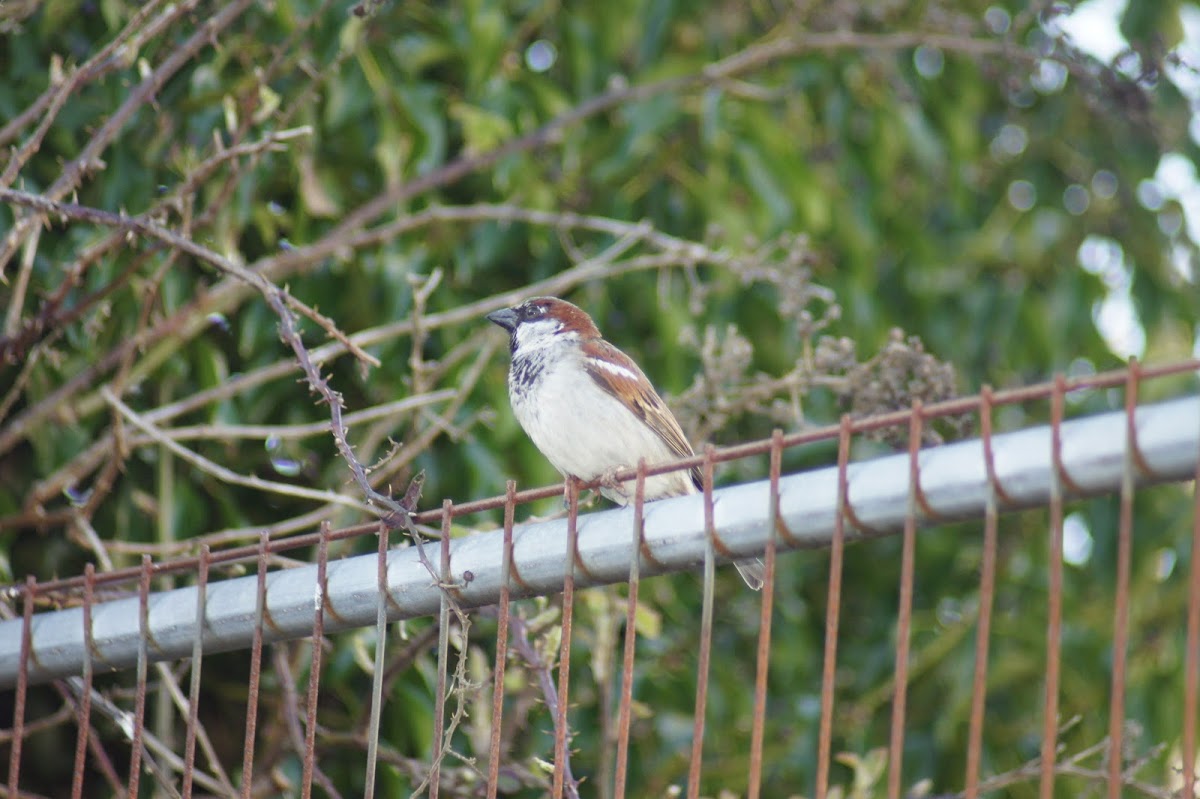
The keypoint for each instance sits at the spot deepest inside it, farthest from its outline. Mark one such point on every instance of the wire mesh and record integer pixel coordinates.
(1192, 656)
(987, 593)
(924, 487)
(704, 662)
(1050, 718)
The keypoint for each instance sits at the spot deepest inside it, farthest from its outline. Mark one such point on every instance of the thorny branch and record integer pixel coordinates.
(148, 227)
(54, 312)
(460, 688)
(398, 514)
(392, 512)
(672, 253)
(72, 473)
(181, 197)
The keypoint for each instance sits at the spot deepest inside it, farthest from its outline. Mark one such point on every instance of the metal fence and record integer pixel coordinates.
(67, 633)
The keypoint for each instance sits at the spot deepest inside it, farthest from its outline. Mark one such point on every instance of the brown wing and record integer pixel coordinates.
(628, 384)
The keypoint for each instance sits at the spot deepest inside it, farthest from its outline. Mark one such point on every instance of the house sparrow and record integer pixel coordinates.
(590, 410)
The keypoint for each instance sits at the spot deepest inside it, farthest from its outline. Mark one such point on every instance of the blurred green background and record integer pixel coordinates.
(752, 199)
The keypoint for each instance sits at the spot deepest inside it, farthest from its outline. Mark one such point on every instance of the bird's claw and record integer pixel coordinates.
(613, 488)
(609, 478)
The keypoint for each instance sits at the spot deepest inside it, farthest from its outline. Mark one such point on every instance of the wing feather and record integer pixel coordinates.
(617, 374)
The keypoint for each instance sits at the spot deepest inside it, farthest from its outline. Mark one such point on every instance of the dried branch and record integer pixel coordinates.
(153, 748)
(132, 38)
(1073, 766)
(378, 476)
(756, 56)
(55, 312)
(147, 227)
(89, 157)
(225, 432)
(227, 475)
(85, 462)
(673, 253)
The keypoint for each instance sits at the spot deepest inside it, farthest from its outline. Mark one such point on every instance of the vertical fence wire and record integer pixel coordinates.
(493, 775)
(766, 608)
(904, 620)
(314, 667)
(625, 708)
(987, 591)
(143, 661)
(195, 731)
(18, 728)
(1116, 705)
(260, 608)
(443, 655)
(381, 594)
(189, 745)
(1054, 600)
(833, 605)
(706, 621)
(83, 715)
(564, 655)
(1191, 679)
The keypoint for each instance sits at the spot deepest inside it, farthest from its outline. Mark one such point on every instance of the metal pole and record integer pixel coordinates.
(953, 480)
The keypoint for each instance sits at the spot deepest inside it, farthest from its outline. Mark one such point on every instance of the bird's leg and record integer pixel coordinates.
(570, 482)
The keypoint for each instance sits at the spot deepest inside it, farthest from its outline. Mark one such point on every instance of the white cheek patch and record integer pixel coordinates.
(533, 333)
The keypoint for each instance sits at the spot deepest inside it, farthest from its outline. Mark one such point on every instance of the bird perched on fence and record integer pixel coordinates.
(590, 409)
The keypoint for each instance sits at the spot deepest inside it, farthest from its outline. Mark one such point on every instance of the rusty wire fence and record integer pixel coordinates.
(71, 642)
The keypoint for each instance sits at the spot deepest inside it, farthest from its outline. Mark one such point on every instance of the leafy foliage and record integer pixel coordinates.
(783, 211)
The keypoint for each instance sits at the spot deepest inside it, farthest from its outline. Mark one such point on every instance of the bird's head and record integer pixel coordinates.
(543, 320)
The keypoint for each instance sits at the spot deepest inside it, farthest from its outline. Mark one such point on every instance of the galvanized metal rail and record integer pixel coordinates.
(953, 484)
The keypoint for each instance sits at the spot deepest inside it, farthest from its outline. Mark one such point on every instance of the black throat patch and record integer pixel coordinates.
(525, 373)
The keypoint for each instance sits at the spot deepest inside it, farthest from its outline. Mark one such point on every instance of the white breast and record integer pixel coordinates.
(584, 431)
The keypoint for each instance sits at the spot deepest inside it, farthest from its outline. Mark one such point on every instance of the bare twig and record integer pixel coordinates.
(226, 475)
(154, 749)
(148, 227)
(225, 432)
(74, 472)
(55, 311)
(89, 157)
(674, 252)
(379, 475)
(111, 57)
(12, 318)
(759, 55)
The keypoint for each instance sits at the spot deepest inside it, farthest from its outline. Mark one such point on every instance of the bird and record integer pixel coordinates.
(590, 410)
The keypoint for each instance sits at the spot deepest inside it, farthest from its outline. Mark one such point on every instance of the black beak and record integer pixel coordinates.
(505, 317)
